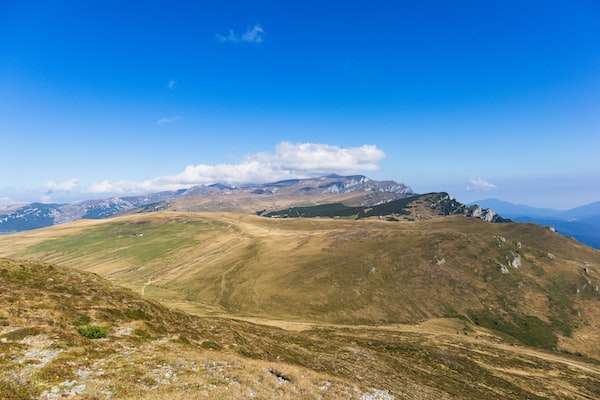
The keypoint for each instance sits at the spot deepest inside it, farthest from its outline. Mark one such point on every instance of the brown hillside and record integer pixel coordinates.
(520, 279)
(153, 352)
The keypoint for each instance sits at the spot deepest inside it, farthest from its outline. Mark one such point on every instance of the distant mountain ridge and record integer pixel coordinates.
(354, 190)
(582, 223)
(331, 195)
(41, 215)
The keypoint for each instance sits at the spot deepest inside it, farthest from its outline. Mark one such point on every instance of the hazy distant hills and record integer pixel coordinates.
(40, 215)
(328, 196)
(582, 223)
(355, 190)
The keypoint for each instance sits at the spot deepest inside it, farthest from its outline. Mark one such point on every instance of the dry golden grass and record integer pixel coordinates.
(325, 271)
(154, 352)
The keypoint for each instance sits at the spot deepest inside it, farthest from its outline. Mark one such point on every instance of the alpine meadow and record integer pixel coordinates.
(421, 298)
(340, 200)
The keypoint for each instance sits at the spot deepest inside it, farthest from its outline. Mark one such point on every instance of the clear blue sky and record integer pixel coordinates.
(478, 98)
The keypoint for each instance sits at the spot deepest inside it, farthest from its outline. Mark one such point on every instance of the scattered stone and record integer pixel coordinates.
(503, 268)
(83, 373)
(124, 331)
(376, 394)
(43, 357)
(586, 270)
(550, 256)
(78, 389)
(516, 262)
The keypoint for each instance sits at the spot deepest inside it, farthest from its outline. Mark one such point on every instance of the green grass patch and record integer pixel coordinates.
(134, 242)
(526, 329)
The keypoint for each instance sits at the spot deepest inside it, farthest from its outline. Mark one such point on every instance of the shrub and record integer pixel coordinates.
(92, 331)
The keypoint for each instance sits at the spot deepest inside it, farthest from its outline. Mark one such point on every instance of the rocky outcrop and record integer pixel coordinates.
(486, 214)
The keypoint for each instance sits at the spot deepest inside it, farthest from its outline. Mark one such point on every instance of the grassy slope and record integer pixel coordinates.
(344, 272)
(153, 352)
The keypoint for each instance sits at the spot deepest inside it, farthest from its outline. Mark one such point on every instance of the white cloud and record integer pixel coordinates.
(231, 37)
(289, 161)
(480, 184)
(167, 120)
(6, 202)
(45, 199)
(65, 186)
(171, 84)
(252, 35)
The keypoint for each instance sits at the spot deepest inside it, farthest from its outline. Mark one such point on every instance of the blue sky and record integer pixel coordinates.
(478, 98)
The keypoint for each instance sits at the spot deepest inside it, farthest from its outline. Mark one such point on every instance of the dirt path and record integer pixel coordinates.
(148, 282)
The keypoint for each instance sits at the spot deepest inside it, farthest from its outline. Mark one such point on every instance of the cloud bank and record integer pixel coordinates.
(480, 184)
(6, 202)
(252, 35)
(289, 161)
(66, 186)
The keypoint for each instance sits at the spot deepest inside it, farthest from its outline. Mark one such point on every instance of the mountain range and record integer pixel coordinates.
(582, 223)
(40, 215)
(352, 192)
(328, 196)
